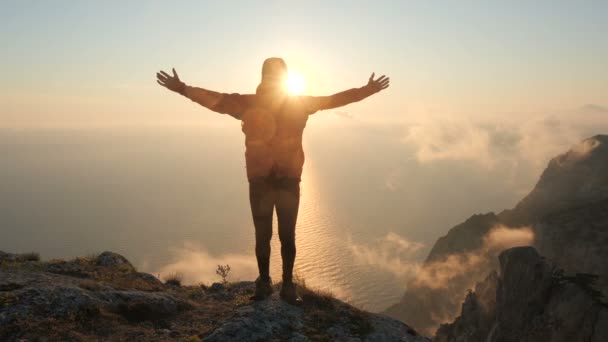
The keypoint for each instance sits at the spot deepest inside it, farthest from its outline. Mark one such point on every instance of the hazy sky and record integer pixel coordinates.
(73, 62)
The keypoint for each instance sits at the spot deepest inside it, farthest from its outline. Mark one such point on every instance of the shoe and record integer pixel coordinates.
(289, 294)
(263, 288)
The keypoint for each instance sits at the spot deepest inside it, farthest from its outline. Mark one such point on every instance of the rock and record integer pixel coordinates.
(4, 256)
(43, 295)
(219, 291)
(260, 321)
(111, 259)
(477, 316)
(576, 239)
(534, 302)
(140, 306)
(147, 277)
(572, 179)
(70, 268)
(273, 319)
(217, 287)
(38, 294)
(388, 329)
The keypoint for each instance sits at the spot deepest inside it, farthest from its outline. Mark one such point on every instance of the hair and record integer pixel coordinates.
(274, 71)
(273, 68)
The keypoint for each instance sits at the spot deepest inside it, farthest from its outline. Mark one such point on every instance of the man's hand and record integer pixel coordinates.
(379, 84)
(172, 83)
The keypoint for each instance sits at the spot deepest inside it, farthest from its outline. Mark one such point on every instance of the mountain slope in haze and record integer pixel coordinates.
(564, 216)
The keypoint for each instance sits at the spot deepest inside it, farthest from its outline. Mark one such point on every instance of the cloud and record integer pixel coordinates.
(582, 149)
(441, 284)
(391, 253)
(439, 287)
(504, 143)
(196, 265)
(453, 140)
(502, 237)
(475, 264)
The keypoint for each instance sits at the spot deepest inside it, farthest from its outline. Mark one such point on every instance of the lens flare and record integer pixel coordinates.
(295, 82)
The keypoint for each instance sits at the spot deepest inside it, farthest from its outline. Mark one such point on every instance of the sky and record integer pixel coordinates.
(94, 63)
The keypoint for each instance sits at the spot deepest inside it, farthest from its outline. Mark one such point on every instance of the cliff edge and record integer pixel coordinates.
(103, 297)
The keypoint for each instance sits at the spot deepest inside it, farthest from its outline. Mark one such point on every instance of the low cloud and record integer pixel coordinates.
(473, 265)
(502, 237)
(401, 257)
(492, 144)
(581, 150)
(450, 141)
(197, 265)
(439, 287)
(391, 253)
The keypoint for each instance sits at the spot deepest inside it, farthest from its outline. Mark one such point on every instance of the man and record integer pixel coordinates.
(273, 122)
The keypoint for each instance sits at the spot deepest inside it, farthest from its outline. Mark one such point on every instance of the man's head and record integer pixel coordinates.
(274, 70)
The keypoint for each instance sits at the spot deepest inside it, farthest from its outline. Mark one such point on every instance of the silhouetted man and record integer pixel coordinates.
(273, 122)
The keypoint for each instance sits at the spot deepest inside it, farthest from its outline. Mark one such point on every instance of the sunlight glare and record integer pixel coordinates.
(295, 82)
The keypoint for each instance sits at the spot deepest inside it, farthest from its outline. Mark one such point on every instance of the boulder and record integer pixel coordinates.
(111, 259)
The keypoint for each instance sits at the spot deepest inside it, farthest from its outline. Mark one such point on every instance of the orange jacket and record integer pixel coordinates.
(273, 124)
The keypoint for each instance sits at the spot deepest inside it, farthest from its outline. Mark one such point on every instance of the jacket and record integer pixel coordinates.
(273, 124)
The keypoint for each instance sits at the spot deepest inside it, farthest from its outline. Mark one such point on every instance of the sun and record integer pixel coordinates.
(295, 82)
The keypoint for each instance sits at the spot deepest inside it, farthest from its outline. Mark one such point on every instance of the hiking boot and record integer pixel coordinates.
(288, 293)
(263, 288)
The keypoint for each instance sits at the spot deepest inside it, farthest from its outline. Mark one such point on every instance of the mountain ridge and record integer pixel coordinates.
(577, 178)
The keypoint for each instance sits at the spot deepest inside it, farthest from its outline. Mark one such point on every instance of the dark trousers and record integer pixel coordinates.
(266, 194)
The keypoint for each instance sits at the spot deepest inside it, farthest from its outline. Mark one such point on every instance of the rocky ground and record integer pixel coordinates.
(103, 298)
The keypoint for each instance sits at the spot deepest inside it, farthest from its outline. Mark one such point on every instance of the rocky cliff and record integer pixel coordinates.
(566, 213)
(103, 298)
(531, 300)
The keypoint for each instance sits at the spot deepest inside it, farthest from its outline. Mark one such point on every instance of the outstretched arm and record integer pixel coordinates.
(352, 95)
(233, 104)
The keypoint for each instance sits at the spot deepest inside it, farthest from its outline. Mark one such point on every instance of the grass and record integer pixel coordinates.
(31, 256)
(23, 257)
(320, 298)
(90, 259)
(174, 279)
(323, 310)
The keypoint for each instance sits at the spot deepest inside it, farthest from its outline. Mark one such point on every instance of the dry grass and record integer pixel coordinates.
(21, 258)
(319, 298)
(174, 279)
(31, 256)
(323, 310)
(88, 260)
